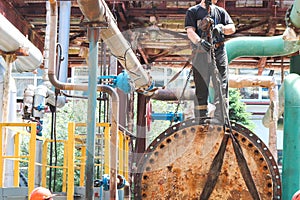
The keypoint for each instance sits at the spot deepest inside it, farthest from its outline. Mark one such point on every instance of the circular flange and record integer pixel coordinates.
(176, 164)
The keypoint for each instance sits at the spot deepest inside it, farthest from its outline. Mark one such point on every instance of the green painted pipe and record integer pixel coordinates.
(294, 16)
(291, 147)
(259, 47)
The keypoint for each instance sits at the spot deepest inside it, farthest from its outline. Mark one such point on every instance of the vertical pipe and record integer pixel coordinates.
(141, 127)
(114, 146)
(93, 36)
(47, 42)
(273, 93)
(7, 111)
(291, 147)
(63, 38)
(6, 89)
(102, 88)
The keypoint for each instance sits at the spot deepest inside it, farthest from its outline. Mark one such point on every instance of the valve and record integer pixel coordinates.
(104, 182)
(122, 81)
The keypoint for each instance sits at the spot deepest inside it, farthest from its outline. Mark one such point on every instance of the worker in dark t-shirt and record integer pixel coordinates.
(199, 21)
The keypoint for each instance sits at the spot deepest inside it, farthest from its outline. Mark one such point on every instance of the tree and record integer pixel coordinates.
(237, 110)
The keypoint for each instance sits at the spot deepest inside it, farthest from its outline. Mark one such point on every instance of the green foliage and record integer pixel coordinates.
(237, 110)
(73, 111)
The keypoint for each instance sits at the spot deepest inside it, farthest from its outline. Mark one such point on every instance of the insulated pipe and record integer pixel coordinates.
(68, 86)
(97, 11)
(63, 38)
(291, 147)
(12, 39)
(11, 116)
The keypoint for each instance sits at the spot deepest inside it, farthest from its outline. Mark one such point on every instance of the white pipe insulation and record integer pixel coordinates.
(97, 11)
(12, 39)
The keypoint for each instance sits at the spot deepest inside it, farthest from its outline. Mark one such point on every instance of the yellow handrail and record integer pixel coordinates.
(79, 161)
(16, 157)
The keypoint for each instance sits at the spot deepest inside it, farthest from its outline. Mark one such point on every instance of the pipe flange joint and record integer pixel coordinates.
(146, 90)
(96, 24)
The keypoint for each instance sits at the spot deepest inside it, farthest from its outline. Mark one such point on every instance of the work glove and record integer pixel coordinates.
(205, 45)
(205, 24)
(219, 28)
(217, 33)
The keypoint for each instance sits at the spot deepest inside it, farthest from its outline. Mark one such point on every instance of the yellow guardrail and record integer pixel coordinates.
(79, 146)
(75, 144)
(30, 158)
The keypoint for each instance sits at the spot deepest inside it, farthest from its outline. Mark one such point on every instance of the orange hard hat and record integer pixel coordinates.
(40, 193)
(296, 196)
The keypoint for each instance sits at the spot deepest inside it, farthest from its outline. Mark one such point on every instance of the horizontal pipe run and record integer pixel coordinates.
(12, 40)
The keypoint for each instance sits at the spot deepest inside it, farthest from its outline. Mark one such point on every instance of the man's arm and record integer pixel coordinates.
(192, 35)
(229, 29)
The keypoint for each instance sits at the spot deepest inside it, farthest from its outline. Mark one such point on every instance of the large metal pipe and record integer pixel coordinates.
(259, 47)
(12, 39)
(285, 44)
(63, 38)
(291, 147)
(93, 36)
(97, 11)
(101, 88)
(235, 81)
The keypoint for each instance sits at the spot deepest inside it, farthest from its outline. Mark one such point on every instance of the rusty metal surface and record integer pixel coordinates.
(176, 164)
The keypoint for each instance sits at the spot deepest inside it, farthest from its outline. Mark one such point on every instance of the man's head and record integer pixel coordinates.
(41, 193)
(210, 1)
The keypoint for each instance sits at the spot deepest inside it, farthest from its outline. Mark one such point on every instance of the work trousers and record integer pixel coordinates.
(203, 72)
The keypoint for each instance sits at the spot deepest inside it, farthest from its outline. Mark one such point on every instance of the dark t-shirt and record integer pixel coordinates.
(196, 13)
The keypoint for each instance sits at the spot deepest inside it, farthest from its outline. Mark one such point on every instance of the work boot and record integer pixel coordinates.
(218, 118)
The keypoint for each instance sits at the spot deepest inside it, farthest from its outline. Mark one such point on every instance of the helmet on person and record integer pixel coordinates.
(40, 193)
(296, 196)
